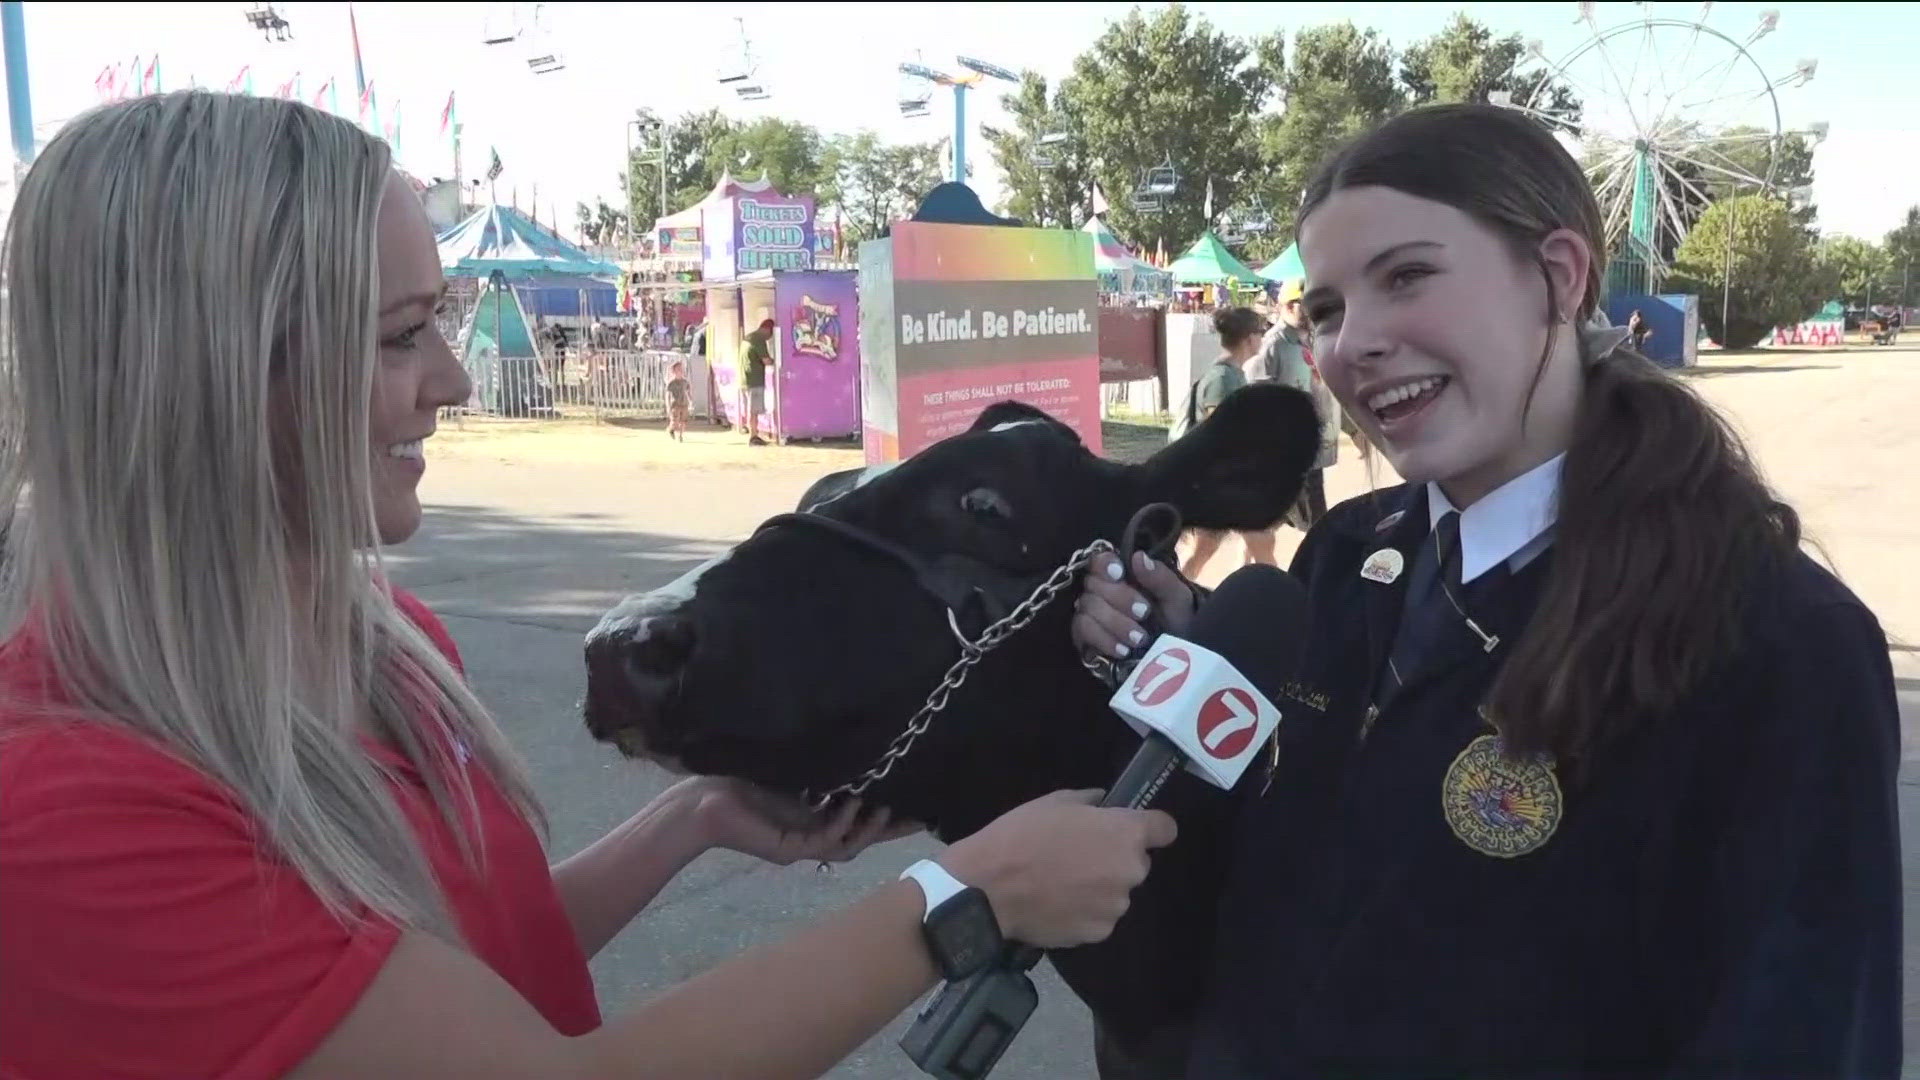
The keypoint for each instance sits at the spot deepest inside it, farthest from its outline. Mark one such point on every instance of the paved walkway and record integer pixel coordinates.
(532, 533)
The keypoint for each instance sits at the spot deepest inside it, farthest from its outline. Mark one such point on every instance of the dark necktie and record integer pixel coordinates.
(1428, 615)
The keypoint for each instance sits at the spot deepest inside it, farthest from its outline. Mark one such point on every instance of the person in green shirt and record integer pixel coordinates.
(753, 381)
(1240, 330)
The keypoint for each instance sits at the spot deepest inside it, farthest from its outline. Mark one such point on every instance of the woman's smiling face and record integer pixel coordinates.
(1430, 327)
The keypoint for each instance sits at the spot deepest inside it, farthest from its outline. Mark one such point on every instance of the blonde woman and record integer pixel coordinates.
(253, 823)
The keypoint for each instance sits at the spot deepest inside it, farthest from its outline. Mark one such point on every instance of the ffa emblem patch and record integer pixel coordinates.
(1383, 566)
(1498, 804)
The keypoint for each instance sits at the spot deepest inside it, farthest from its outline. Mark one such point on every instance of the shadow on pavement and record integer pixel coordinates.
(561, 571)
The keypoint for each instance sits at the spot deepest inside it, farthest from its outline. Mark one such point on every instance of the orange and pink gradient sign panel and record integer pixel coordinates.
(964, 316)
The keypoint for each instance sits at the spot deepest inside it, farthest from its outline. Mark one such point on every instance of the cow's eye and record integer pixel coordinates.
(986, 502)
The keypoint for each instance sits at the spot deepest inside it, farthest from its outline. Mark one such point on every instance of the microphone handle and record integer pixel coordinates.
(1139, 782)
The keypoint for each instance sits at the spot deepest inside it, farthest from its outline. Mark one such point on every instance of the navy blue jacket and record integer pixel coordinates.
(1719, 897)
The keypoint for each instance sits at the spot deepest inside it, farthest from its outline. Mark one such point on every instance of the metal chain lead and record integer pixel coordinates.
(971, 654)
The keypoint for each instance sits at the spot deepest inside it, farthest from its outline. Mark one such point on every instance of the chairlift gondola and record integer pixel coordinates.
(542, 57)
(502, 24)
(1253, 220)
(1046, 152)
(916, 92)
(742, 76)
(1161, 179)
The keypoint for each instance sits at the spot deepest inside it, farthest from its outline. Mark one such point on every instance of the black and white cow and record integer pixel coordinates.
(795, 658)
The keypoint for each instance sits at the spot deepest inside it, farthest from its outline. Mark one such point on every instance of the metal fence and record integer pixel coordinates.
(577, 383)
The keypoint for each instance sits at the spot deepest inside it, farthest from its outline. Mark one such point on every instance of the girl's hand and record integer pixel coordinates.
(780, 829)
(1106, 618)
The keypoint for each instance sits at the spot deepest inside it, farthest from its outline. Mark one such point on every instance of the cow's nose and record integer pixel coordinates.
(631, 675)
(661, 646)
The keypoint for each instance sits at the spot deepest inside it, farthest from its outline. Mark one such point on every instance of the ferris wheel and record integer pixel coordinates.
(1673, 112)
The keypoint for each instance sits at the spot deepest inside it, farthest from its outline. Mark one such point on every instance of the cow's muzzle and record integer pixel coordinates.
(634, 671)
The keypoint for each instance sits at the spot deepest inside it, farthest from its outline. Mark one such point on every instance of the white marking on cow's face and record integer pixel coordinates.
(631, 615)
(1009, 425)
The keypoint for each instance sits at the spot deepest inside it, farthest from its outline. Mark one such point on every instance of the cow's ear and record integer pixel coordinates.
(1242, 467)
(1015, 412)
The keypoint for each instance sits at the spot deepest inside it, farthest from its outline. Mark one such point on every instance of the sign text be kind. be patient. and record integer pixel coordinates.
(956, 317)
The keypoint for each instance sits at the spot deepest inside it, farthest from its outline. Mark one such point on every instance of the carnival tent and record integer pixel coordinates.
(1120, 270)
(1208, 262)
(1287, 267)
(500, 356)
(504, 240)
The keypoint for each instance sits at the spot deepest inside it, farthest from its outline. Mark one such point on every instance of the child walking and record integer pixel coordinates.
(679, 400)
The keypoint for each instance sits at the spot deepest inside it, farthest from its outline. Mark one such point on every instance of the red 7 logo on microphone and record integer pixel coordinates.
(1161, 677)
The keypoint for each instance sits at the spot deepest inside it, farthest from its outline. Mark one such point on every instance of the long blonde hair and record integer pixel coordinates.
(191, 296)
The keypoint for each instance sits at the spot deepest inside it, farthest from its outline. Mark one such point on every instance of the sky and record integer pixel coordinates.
(561, 136)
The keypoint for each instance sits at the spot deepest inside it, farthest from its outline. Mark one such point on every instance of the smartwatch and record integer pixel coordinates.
(959, 925)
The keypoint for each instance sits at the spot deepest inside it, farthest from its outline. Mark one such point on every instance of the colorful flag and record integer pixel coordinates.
(150, 79)
(290, 88)
(369, 106)
(107, 82)
(446, 115)
(359, 69)
(243, 82)
(494, 170)
(321, 96)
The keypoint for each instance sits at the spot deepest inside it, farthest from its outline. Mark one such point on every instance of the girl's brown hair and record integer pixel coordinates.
(1664, 521)
(1237, 324)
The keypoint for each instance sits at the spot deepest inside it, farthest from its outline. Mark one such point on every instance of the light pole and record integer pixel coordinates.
(660, 132)
(13, 38)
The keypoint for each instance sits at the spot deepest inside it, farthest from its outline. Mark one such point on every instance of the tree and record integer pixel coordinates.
(695, 142)
(1775, 281)
(789, 153)
(600, 223)
(1903, 252)
(1861, 271)
(871, 185)
(1466, 62)
(1338, 83)
(1059, 195)
(1167, 89)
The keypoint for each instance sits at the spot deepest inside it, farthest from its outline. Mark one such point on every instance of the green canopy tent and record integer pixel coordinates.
(1287, 267)
(1208, 262)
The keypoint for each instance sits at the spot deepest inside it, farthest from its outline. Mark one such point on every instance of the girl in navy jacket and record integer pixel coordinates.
(1590, 771)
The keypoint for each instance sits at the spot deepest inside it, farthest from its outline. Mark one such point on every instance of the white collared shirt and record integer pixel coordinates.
(1513, 521)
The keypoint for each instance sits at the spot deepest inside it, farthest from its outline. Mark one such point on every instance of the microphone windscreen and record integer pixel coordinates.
(1257, 619)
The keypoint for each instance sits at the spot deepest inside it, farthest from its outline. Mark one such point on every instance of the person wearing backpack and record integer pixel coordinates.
(1240, 330)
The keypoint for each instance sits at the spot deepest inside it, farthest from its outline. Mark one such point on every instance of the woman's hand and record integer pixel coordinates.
(1060, 870)
(1107, 616)
(740, 816)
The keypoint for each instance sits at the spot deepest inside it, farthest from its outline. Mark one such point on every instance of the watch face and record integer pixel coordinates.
(963, 934)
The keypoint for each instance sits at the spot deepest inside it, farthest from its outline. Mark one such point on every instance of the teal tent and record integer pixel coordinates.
(1287, 267)
(500, 356)
(504, 240)
(1208, 262)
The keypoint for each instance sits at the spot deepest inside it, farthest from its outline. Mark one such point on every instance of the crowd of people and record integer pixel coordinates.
(1589, 771)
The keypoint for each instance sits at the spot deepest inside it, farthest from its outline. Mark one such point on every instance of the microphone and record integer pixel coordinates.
(1203, 700)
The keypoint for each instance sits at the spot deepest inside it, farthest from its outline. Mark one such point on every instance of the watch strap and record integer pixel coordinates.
(936, 884)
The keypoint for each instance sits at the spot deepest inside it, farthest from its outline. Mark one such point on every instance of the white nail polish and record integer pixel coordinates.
(1114, 572)
(1121, 651)
(1140, 609)
(1136, 636)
